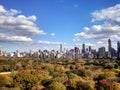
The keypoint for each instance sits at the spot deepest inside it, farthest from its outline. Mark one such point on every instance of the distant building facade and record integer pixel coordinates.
(1, 53)
(102, 52)
(60, 47)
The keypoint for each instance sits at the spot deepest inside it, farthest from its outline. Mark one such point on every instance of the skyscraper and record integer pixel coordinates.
(102, 52)
(60, 47)
(89, 48)
(109, 48)
(77, 52)
(83, 48)
(118, 50)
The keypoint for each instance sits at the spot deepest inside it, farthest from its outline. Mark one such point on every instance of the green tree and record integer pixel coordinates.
(49, 68)
(61, 78)
(1, 68)
(99, 78)
(5, 81)
(72, 80)
(56, 86)
(86, 85)
(25, 81)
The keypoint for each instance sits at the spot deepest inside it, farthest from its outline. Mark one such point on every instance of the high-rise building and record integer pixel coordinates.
(118, 50)
(113, 53)
(102, 52)
(83, 48)
(94, 53)
(1, 53)
(77, 52)
(109, 49)
(89, 48)
(60, 47)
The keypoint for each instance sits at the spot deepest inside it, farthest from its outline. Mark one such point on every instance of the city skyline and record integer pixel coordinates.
(46, 24)
(72, 53)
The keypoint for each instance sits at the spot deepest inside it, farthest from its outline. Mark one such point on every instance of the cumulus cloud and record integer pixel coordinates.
(7, 38)
(17, 27)
(111, 13)
(10, 12)
(110, 27)
(100, 32)
(50, 43)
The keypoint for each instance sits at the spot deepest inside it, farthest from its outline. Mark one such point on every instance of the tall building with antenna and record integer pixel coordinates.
(109, 49)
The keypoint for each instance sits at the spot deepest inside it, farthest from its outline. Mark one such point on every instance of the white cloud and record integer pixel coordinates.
(52, 34)
(75, 40)
(111, 13)
(6, 38)
(100, 32)
(50, 43)
(17, 27)
(2, 10)
(110, 28)
(99, 42)
(1, 46)
(10, 12)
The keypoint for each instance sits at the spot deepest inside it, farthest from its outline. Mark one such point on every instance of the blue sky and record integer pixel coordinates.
(44, 24)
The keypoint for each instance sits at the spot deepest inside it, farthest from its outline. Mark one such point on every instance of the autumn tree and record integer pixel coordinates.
(25, 81)
(56, 86)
